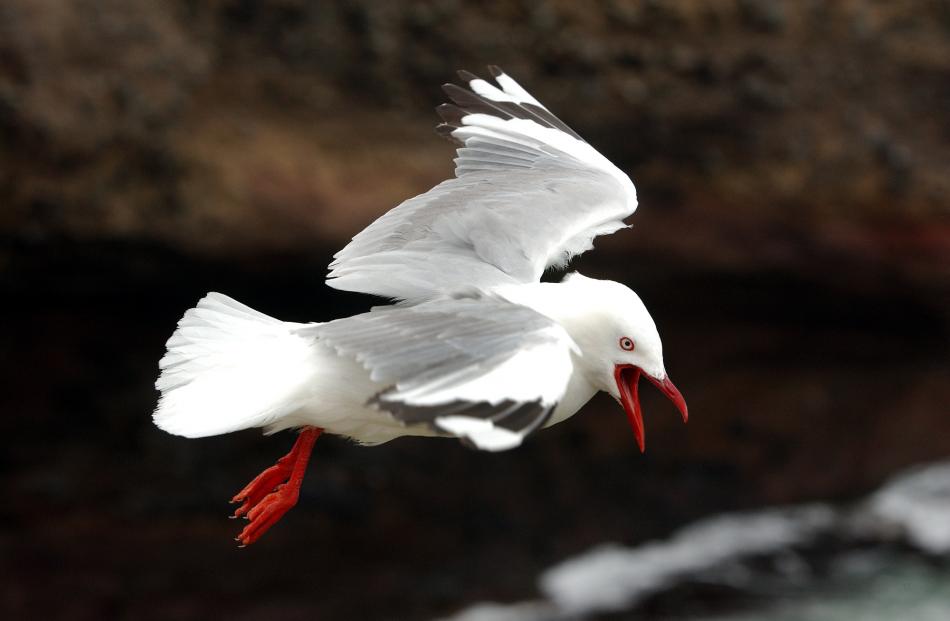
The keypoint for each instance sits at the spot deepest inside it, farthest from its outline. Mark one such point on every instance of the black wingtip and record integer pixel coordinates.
(467, 101)
(445, 131)
(450, 113)
(466, 76)
(454, 90)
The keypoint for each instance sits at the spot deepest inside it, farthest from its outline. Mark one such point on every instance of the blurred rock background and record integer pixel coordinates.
(793, 242)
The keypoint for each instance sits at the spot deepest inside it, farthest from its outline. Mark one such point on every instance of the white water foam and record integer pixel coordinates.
(913, 508)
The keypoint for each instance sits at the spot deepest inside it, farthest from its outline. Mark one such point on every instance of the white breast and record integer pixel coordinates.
(579, 391)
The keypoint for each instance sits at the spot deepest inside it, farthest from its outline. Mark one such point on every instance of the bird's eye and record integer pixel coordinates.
(626, 343)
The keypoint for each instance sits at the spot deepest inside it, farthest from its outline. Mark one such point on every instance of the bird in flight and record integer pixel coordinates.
(476, 346)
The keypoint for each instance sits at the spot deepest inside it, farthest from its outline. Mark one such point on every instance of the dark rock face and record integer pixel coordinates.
(197, 123)
(793, 244)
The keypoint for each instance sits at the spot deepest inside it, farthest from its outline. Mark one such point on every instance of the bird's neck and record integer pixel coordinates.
(569, 307)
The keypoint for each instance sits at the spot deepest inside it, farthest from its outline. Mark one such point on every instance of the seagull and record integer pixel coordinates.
(474, 345)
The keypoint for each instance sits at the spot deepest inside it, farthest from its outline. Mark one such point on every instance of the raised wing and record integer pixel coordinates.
(479, 368)
(528, 194)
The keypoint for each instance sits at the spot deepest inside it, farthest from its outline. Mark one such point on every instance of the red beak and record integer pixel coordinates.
(627, 377)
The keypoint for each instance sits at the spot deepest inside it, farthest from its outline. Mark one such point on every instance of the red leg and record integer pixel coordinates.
(275, 491)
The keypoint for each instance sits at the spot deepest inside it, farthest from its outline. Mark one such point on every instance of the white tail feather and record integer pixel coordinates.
(229, 367)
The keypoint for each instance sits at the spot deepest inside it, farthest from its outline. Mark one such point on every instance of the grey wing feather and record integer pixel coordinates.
(460, 365)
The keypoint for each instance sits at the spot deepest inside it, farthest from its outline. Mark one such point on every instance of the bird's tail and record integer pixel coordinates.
(229, 367)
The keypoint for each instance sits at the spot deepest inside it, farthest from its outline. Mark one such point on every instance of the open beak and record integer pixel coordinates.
(627, 377)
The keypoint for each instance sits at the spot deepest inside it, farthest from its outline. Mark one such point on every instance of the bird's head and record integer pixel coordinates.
(619, 344)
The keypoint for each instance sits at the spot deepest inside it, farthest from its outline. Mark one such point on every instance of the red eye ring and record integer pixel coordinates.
(626, 343)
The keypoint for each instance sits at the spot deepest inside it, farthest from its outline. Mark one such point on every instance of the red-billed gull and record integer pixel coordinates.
(477, 347)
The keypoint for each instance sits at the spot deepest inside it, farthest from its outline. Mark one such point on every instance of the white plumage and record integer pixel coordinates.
(478, 348)
(229, 367)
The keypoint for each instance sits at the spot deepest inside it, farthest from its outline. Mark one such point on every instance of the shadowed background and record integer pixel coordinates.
(793, 243)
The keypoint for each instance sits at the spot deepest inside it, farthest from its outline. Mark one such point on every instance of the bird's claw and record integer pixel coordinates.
(267, 513)
(275, 491)
(260, 487)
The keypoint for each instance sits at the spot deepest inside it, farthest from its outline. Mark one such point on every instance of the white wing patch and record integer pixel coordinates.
(482, 433)
(509, 91)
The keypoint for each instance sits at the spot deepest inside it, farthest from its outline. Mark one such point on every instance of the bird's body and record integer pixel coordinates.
(316, 385)
(476, 349)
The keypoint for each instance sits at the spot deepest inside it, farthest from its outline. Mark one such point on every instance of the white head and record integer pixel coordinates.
(618, 342)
